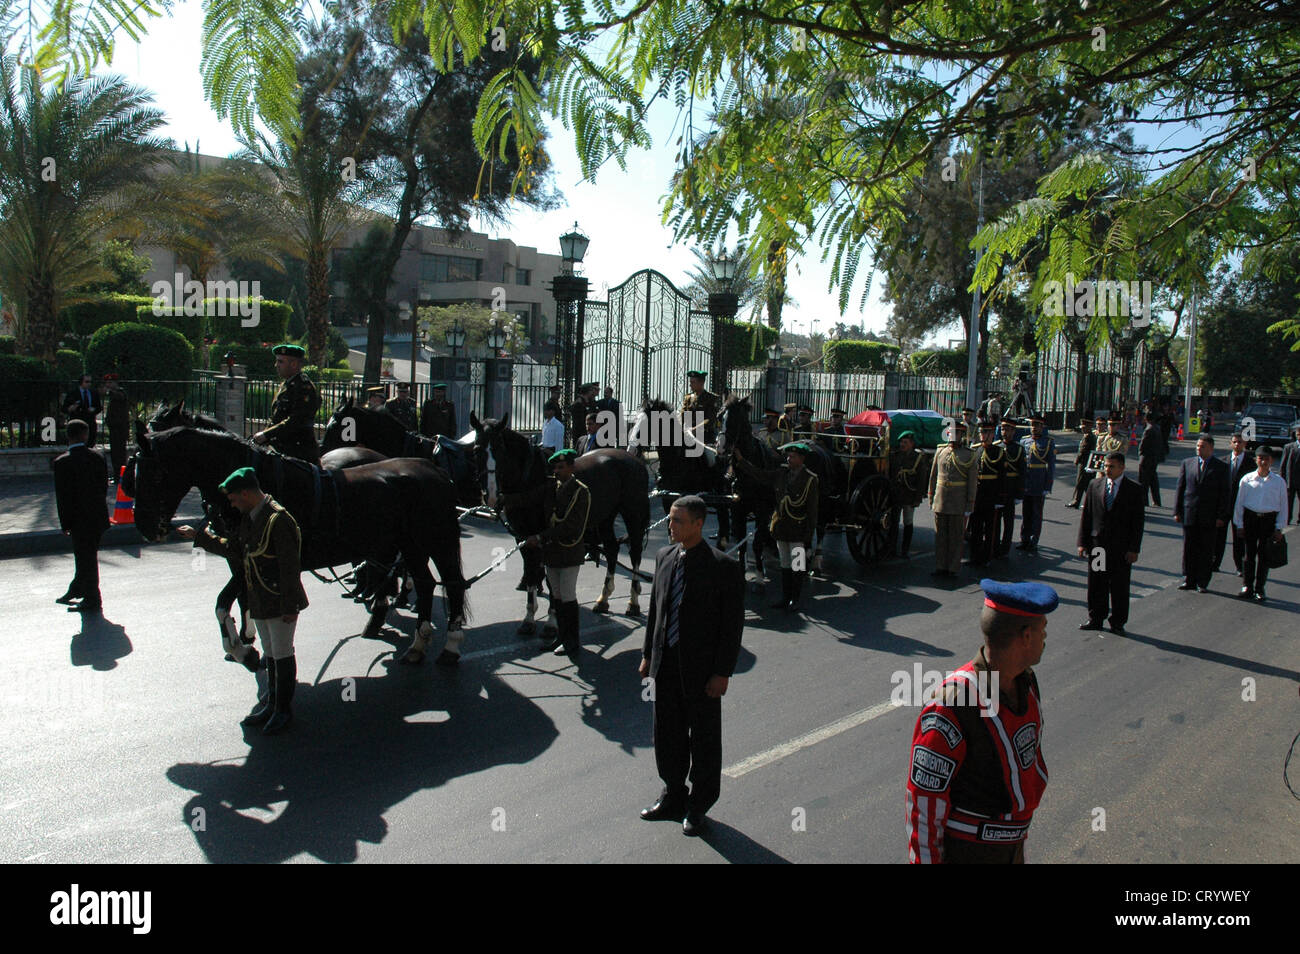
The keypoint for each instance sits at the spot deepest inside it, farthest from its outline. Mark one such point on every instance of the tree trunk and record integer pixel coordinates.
(39, 329)
(318, 319)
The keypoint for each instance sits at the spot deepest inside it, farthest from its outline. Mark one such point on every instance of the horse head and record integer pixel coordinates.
(506, 460)
(340, 427)
(735, 423)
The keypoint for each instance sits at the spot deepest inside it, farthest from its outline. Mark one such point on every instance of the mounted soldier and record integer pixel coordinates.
(700, 407)
(293, 414)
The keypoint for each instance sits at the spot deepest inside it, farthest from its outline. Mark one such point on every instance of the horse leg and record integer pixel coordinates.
(635, 545)
(532, 580)
(609, 544)
(378, 614)
(423, 581)
(446, 557)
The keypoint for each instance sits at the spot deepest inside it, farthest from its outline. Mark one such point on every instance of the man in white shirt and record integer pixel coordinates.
(1260, 514)
(552, 430)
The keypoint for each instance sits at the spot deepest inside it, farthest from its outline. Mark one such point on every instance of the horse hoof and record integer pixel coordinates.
(601, 607)
(446, 658)
(526, 629)
(634, 611)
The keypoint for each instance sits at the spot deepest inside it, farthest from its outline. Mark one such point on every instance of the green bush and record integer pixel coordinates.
(319, 374)
(191, 326)
(87, 317)
(68, 365)
(141, 352)
(745, 345)
(272, 323)
(842, 357)
(28, 388)
(8, 344)
(259, 361)
(940, 364)
(336, 348)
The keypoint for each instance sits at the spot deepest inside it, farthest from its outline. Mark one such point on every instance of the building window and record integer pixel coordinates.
(450, 268)
(523, 276)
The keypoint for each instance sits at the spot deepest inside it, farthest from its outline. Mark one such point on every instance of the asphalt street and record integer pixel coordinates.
(121, 743)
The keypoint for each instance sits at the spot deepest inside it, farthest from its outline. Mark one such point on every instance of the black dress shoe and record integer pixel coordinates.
(1091, 624)
(663, 810)
(1202, 589)
(1259, 597)
(1117, 630)
(694, 824)
(93, 609)
(1186, 585)
(1245, 593)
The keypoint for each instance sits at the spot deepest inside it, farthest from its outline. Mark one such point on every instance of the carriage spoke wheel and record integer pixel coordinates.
(868, 516)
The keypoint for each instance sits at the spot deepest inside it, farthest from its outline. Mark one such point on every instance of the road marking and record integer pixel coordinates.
(779, 752)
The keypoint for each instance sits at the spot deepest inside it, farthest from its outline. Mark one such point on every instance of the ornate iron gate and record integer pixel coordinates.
(643, 340)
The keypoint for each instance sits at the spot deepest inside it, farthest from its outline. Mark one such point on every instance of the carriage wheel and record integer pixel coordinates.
(868, 516)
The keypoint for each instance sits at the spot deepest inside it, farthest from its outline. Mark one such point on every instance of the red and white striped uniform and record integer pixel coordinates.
(977, 771)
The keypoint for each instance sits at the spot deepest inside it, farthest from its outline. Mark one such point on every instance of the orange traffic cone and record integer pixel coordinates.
(124, 508)
(1180, 433)
(1133, 438)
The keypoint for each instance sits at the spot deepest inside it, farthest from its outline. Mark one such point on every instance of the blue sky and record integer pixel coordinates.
(620, 211)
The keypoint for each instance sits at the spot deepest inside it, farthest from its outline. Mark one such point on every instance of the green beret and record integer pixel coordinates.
(799, 446)
(292, 350)
(907, 434)
(243, 479)
(567, 453)
(438, 384)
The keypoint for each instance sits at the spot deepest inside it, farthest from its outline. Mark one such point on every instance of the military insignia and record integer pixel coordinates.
(1026, 743)
(934, 722)
(931, 771)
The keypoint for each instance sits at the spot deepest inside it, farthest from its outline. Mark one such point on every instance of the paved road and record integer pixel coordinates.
(121, 743)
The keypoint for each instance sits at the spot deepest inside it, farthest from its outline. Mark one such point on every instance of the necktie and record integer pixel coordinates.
(85, 397)
(1110, 492)
(675, 589)
(1200, 467)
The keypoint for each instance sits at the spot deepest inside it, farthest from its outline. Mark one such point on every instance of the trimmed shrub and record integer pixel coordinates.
(87, 317)
(745, 345)
(272, 322)
(943, 363)
(846, 356)
(8, 344)
(68, 365)
(319, 374)
(190, 326)
(258, 361)
(141, 352)
(19, 398)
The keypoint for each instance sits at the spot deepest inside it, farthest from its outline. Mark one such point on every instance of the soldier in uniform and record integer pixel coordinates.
(403, 407)
(375, 398)
(771, 434)
(972, 426)
(786, 424)
(1013, 488)
(952, 488)
(803, 427)
(438, 416)
(1040, 473)
(832, 435)
(794, 521)
(991, 468)
(700, 405)
(293, 414)
(1082, 456)
(977, 771)
(567, 503)
(908, 478)
(1113, 441)
(269, 544)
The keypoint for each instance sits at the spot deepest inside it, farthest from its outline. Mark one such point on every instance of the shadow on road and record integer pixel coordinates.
(737, 847)
(1213, 655)
(100, 644)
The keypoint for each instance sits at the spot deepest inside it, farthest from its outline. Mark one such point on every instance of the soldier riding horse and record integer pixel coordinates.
(371, 512)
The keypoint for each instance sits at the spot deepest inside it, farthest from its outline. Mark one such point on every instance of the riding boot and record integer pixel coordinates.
(892, 546)
(568, 643)
(286, 680)
(265, 701)
(787, 587)
(907, 541)
(798, 588)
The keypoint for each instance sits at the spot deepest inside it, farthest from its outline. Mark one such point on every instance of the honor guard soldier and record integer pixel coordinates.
(1040, 473)
(1112, 440)
(1013, 487)
(438, 416)
(1082, 457)
(977, 771)
(972, 426)
(832, 435)
(771, 434)
(567, 504)
(953, 482)
(909, 476)
(293, 413)
(795, 518)
(786, 424)
(991, 470)
(700, 405)
(803, 426)
(269, 544)
(403, 407)
(375, 398)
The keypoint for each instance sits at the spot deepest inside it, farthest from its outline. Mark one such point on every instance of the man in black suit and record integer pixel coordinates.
(692, 638)
(1289, 471)
(438, 415)
(1151, 451)
(1240, 463)
(83, 403)
(1201, 506)
(1110, 537)
(80, 476)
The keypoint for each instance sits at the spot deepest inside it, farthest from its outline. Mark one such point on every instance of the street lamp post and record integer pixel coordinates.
(723, 306)
(498, 373)
(1078, 333)
(890, 358)
(456, 375)
(570, 292)
(777, 377)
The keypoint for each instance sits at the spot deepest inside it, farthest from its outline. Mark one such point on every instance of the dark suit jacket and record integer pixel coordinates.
(77, 409)
(80, 479)
(1119, 529)
(435, 420)
(1290, 467)
(1201, 502)
(1245, 465)
(1151, 448)
(710, 618)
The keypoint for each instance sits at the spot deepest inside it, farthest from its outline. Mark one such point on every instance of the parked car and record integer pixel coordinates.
(1272, 423)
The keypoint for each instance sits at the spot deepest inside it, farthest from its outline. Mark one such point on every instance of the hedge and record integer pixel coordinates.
(739, 344)
(68, 365)
(140, 352)
(272, 322)
(940, 363)
(328, 374)
(190, 326)
(844, 356)
(18, 398)
(87, 317)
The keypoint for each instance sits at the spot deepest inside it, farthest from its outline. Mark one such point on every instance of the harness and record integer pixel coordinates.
(253, 554)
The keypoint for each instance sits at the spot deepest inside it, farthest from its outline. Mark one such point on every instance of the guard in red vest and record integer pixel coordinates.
(977, 770)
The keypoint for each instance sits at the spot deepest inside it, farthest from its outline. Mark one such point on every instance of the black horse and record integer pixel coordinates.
(352, 426)
(755, 499)
(617, 481)
(686, 465)
(372, 512)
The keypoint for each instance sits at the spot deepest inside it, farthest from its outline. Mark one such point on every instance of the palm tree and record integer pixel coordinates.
(67, 155)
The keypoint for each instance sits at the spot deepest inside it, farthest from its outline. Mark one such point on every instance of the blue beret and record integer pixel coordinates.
(1020, 599)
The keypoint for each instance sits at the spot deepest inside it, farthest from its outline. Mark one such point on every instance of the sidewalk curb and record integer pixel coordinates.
(39, 542)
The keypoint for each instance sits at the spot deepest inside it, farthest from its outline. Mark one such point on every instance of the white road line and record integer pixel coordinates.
(534, 644)
(779, 752)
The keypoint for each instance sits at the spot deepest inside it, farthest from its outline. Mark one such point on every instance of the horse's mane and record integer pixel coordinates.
(735, 399)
